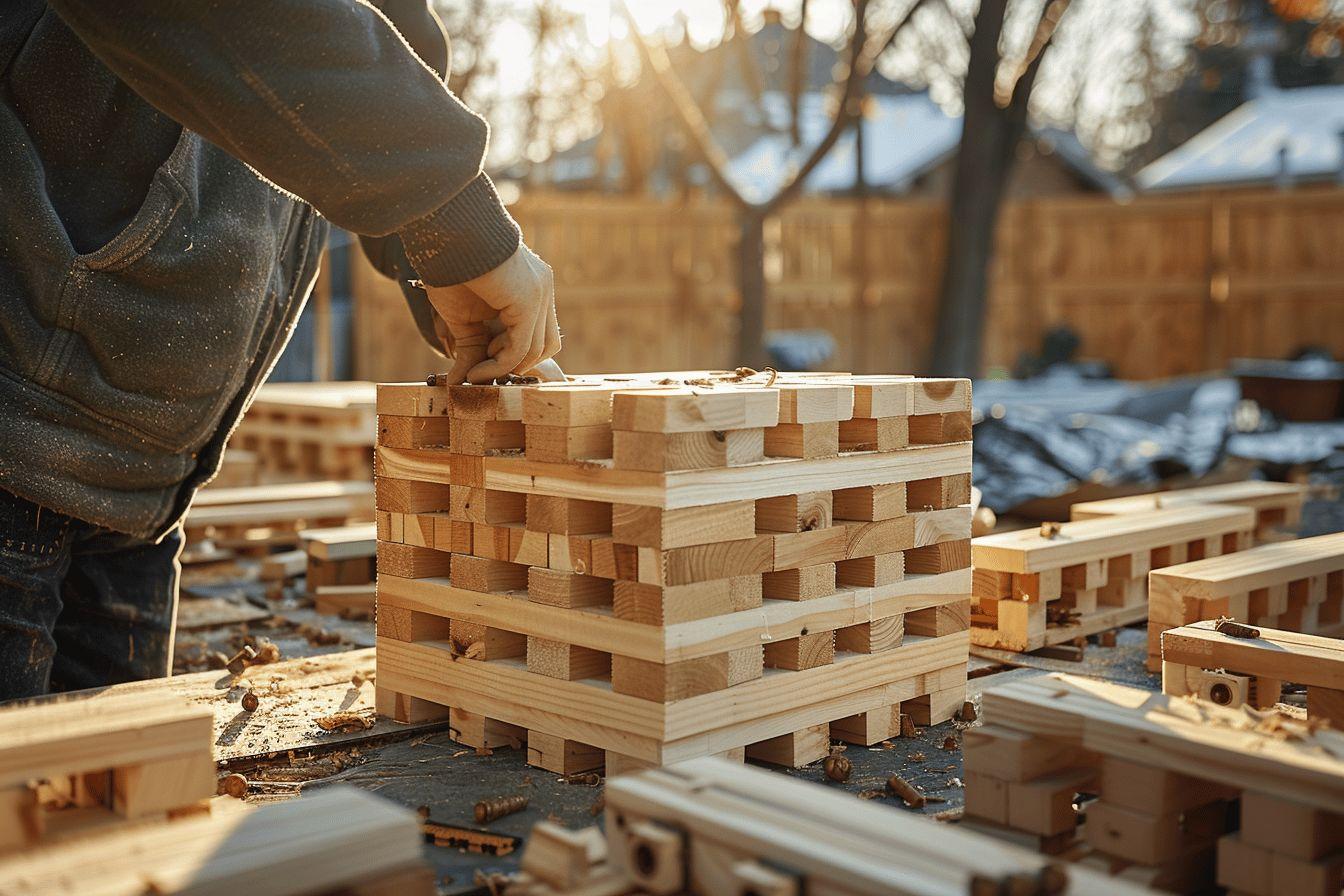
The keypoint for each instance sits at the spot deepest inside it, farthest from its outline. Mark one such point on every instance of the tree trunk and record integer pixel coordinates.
(751, 286)
(984, 160)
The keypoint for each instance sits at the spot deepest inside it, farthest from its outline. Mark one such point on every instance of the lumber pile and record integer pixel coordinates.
(266, 515)
(340, 568)
(1177, 794)
(641, 570)
(74, 767)
(1039, 587)
(1277, 505)
(310, 431)
(339, 842)
(1297, 586)
(1234, 665)
(709, 827)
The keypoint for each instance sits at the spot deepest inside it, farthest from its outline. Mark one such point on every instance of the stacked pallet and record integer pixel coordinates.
(340, 568)
(1235, 665)
(1297, 586)
(708, 827)
(645, 570)
(1277, 505)
(1176, 794)
(310, 431)
(266, 515)
(1035, 588)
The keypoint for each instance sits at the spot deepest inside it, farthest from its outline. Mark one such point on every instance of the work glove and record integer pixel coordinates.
(502, 322)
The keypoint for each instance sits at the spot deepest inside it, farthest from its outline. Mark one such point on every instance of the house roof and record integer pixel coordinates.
(1245, 146)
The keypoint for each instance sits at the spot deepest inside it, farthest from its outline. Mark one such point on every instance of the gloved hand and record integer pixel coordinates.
(500, 323)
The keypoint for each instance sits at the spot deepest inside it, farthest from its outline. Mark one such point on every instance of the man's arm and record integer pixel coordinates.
(326, 100)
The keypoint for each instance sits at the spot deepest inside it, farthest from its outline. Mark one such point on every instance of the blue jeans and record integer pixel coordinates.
(81, 606)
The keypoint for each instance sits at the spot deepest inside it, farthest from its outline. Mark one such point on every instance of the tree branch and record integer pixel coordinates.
(1045, 32)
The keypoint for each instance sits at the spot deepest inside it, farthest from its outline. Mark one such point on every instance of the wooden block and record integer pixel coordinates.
(868, 728)
(382, 522)
(566, 589)
(794, 513)
(412, 432)
(883, 396)
(562, 444)
(478, 438)
(870, 502)
(1038, 587)
(991, 584)
(561, 858)
(938, 493)
(570, 553)
(655, 527)
(467, 469)
(793, 750)
(797, 549)
(1150, 789)
(815, 402)
(1129, 566)
(874, 434)
(401, 624)
(938, 429)
(701, 563)
(1150, 838)
(481, 733)
(481, 574)
(409, 562)
(567, 516)
(406, 709)
(570, 662)
(412, 400)
(933, 559)
(666, 683)
(491, 542)
(694, 409)
(871, 637)
(452, 535)
(480, 642)
(1087, 576)
(421, 529)
(158, 786)
(940, 395)
(672, 604)
(805, 652)
(665, 452)
(21, 819)
(1020, 625)
(482, 505)
(1044, 806)
(561, 756)
(934, 622)
(803, 440)
(986, 797)
(1009, 755)
(409, 496)
(1170, 555)
(1291, 828)
(869, 572)
(932, 709)
(1244, 868)
(1123, 593)
(1291, 876)
(616, 561)
(470, 402)
(864, 539)
(568, 405)
(618, 764)
(527, 547)
(800, 583)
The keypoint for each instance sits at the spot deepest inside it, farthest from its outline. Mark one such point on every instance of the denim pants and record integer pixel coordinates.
(81, 606)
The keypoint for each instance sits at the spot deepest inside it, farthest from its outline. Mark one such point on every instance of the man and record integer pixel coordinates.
(166, 168)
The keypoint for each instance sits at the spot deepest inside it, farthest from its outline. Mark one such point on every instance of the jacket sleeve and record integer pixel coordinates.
(325, 99)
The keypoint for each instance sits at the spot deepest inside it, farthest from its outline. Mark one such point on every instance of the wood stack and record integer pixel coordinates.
(1236, 665)
(338, 842)
(1277, 505)
(310, 431)
(648, 569)
(1177, 794)
(1297, 586)
(340, 568)
(1038, 587)
(709, 827)
(263, 516)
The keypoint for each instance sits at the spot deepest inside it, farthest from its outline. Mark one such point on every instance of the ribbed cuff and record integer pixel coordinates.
(469, 235)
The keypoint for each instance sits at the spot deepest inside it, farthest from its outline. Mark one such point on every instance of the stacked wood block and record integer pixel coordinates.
(340, 568)
(1237, 665)
(641, 570)
(707, 827)
(338, 842)
(1037, 587)
(1297, 586)
(1277, 505)
(68, 768)
(310, 431)
(266, 515)
(1177, 794)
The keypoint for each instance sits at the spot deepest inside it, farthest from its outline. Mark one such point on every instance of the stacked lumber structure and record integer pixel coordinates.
(1168, 792)
(1297, 586)
(309, 431)
(1236, 665)
(1277, 505)
(339, 571)
(709, 827)
(642, 570)
(1039, 587)
(113, 797)
(262, 516)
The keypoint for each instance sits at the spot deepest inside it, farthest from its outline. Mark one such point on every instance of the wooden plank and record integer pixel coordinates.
(1252, 493)
(1278, 655)
(1259, 567)
(695, 409)
(654, 527)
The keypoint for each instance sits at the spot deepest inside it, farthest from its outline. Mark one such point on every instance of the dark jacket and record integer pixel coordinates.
(160, 163)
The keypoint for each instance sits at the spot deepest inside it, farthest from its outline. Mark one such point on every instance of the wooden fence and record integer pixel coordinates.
(1158, 286)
